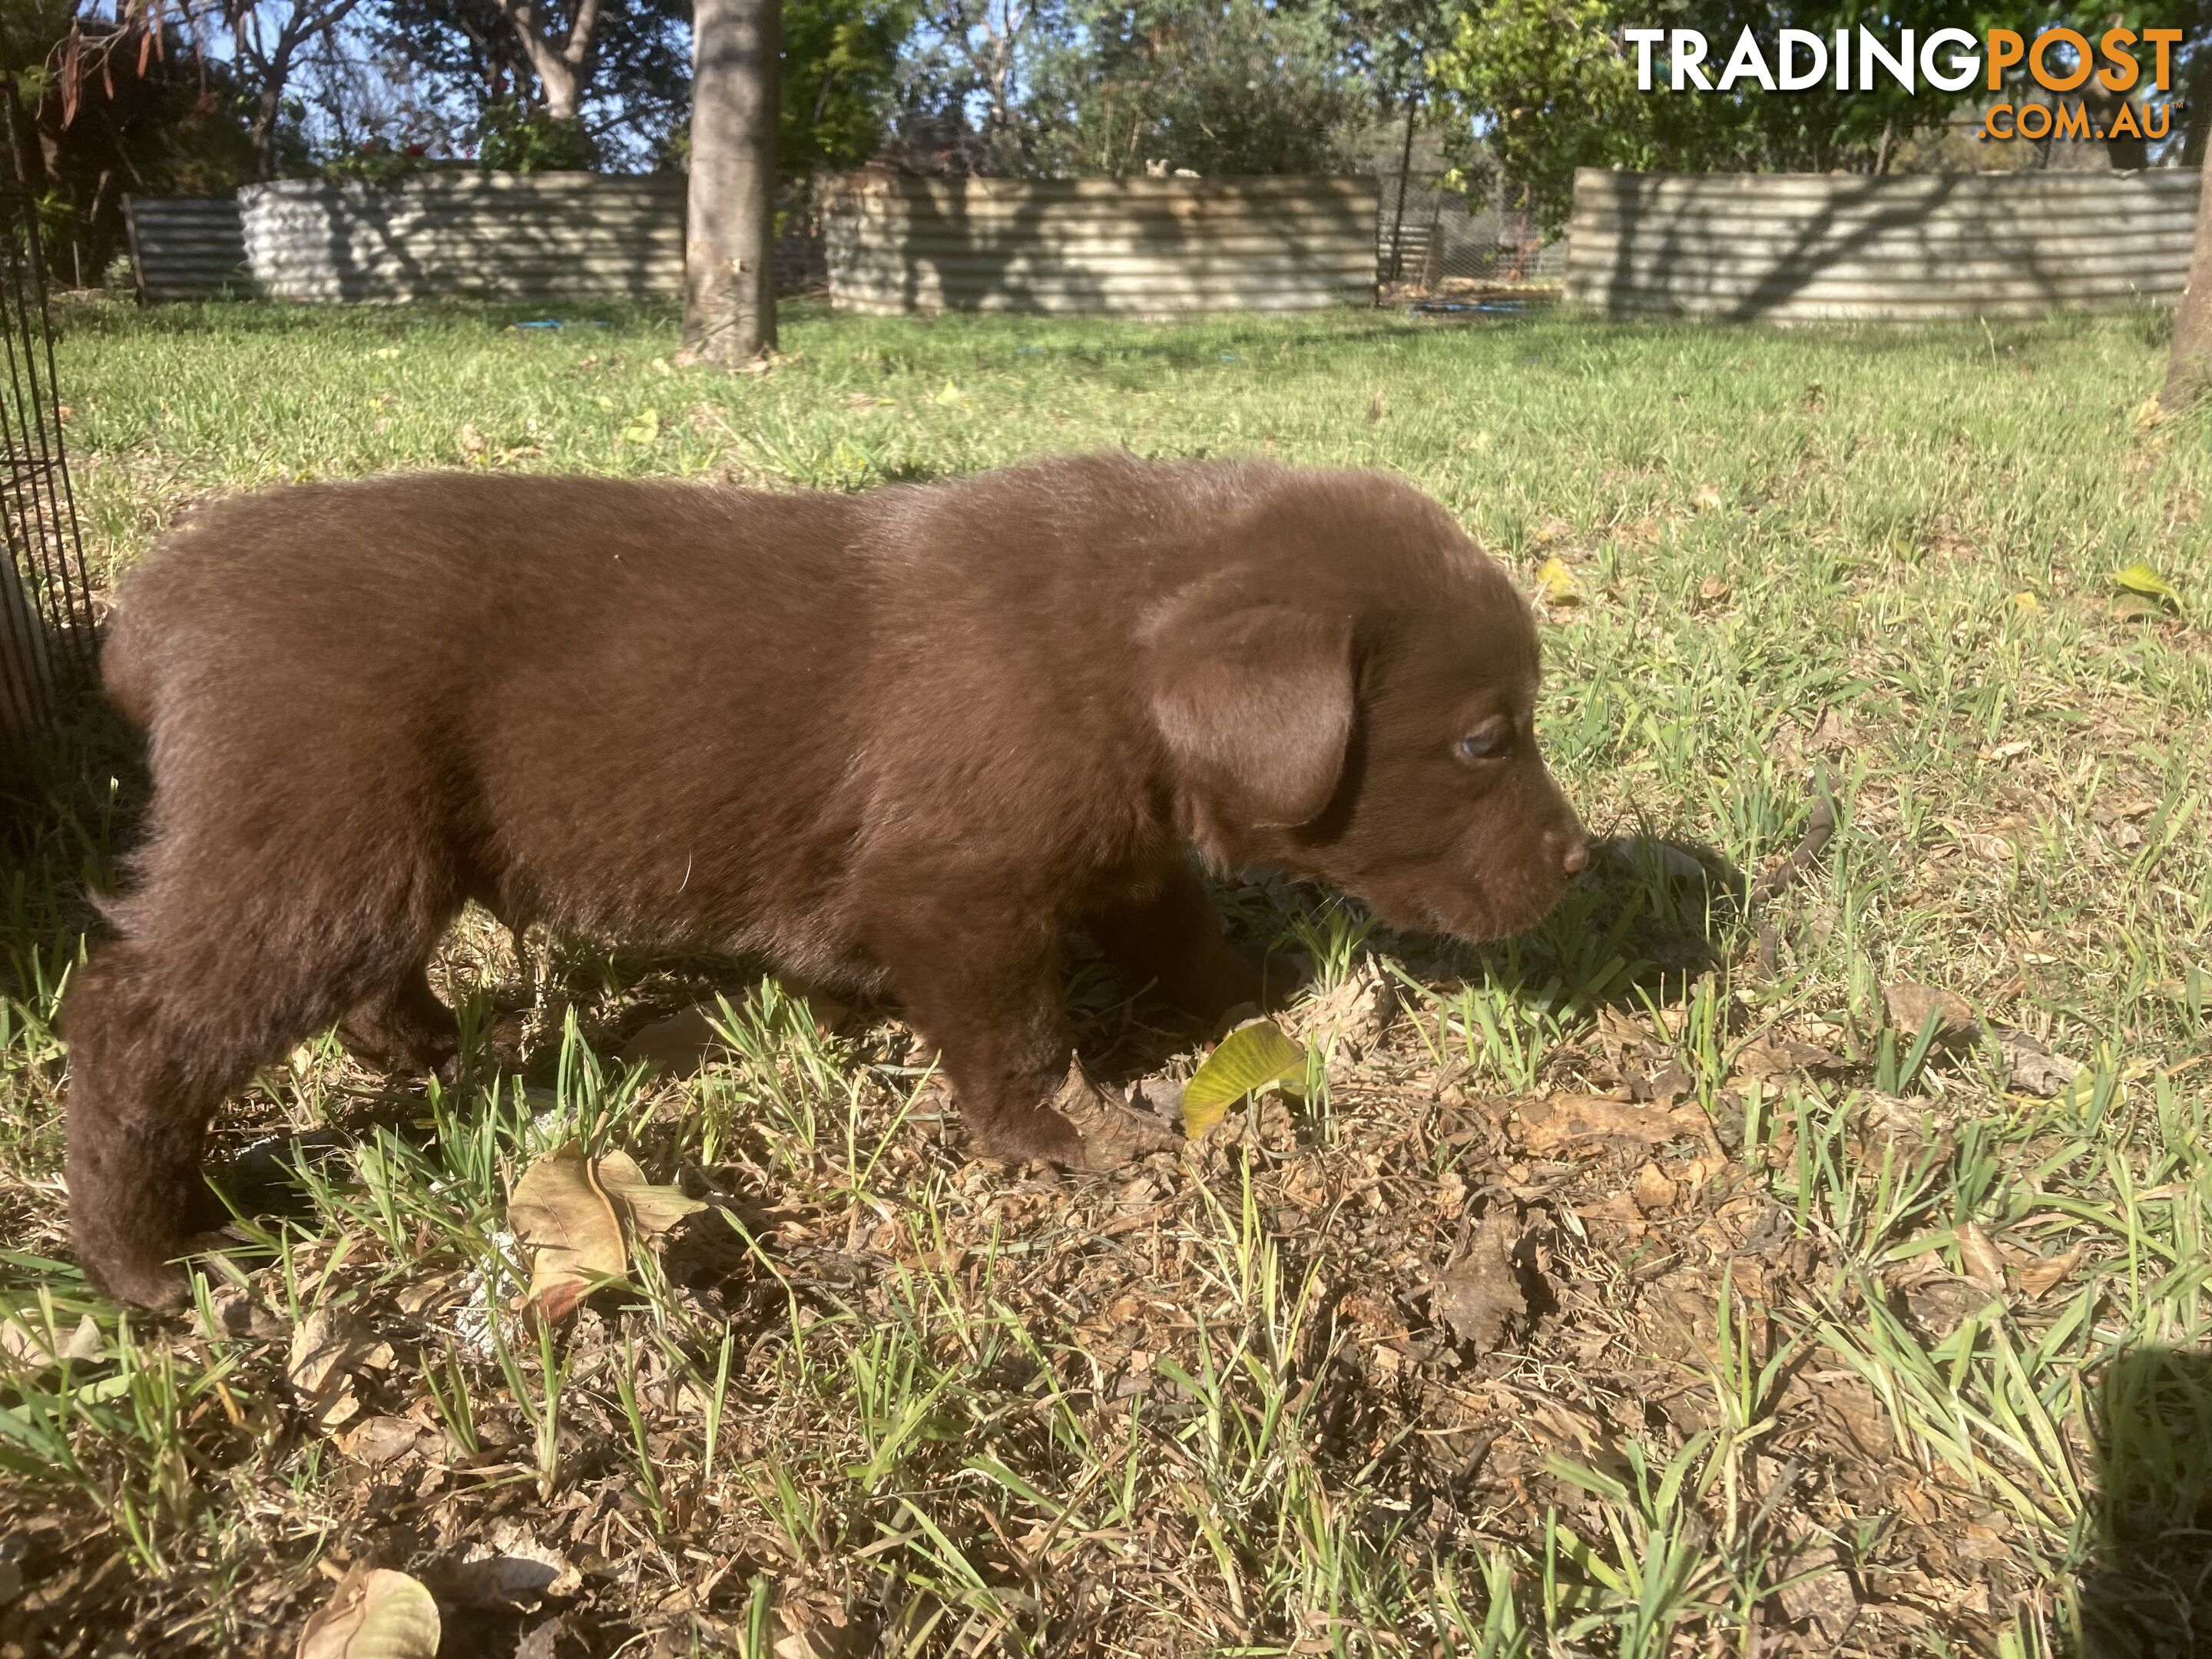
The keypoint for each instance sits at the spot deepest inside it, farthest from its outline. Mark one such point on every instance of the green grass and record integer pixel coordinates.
(1887, 1347)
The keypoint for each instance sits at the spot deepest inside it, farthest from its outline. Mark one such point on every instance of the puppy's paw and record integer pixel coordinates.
(1111, 1132)
(154, 1283)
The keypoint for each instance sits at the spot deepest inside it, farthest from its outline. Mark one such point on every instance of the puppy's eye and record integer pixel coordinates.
(1489, 741)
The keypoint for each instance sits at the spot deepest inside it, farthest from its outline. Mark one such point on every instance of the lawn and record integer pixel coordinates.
(1730, 1267)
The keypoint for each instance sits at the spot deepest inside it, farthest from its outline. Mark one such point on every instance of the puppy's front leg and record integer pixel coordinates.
(1170, 934)
(990, 999)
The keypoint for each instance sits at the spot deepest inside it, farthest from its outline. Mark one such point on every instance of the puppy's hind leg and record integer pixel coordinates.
(221, 970)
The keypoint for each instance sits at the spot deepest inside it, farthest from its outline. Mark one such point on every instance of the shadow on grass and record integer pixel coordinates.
(1644, 921)
(2146, 1585)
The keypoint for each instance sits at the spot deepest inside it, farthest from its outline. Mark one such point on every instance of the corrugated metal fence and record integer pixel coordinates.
(493, 236)
(1798, 247)
(1138, 246)
(185, 247)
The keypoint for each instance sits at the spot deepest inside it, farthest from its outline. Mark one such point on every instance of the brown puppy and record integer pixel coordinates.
(896, 742)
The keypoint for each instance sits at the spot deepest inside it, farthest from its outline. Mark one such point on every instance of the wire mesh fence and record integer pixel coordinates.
(45, 604)
(1429, 237)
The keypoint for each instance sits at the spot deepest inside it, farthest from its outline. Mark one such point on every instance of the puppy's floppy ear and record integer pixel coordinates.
(1255, 703)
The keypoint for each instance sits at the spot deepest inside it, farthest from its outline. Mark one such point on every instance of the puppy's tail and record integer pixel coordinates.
(126, 669)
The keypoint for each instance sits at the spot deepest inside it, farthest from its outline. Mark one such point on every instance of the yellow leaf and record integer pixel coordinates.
(373, 1614)
(1247, 1060)
(2140, 578)
(645, 429)
(1557, 583)
(2027, 603)
(952, 394)
(563, 1216)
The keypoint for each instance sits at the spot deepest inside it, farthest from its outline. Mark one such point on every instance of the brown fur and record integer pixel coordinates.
(895, 742)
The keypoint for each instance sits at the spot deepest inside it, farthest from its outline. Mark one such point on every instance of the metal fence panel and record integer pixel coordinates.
(1803, 246)
(493, 236)
(186, 247)
(1139, 247)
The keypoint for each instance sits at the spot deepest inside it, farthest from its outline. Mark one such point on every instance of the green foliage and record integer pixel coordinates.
(169, 124)
(512, 139)
(376, 161)
(1554, 87)
(839, 63)
(467, 52)
(1235, 88)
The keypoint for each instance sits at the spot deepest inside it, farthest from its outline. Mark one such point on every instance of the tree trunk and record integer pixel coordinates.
(729, 284)
(1405, 178)
(2190, 365)
(564, 67)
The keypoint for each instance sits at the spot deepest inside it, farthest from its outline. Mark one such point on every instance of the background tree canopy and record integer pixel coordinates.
(1515, 94)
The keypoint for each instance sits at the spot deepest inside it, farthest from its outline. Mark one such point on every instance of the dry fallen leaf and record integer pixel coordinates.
(2051, 1272)
(652, 1210)
(1655, 1192)
(1555, 1125)
(1911, 1005)
(679, 1045)
(2031, 1066)
(37, 1347)
(373, 1614)
(561, 1215)
(1772, 1056)
(1984, 1268)
(376, 1441)
(1480, 1296)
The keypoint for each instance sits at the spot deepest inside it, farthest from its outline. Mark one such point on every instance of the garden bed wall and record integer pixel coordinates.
(186, 247)
(491, 236)
(1141, 247)
(1801, 246)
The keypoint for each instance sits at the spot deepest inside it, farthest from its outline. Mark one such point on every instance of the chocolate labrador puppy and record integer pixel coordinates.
(896, 742)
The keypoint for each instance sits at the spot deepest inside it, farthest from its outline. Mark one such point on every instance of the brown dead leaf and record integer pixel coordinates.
(1774, 1056)
(374, 1614)
(1911, 1005)
(1344, 1022)
(1564, 1122)
(2033, 1069)
(679, 1045)
(1480, 1296)
(652, 1210)
(1656, 1192)
(1984, 1268)
(323, 1353)
(1818, 1592)
(560, 1214)
(507, 1568)
(39, 1347)
(2052, 1270)
(376, 1441)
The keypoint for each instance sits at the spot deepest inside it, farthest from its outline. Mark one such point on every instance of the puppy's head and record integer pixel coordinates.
(1351, 696)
